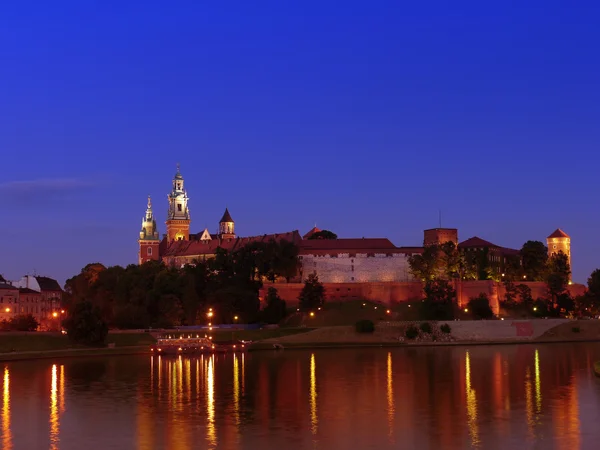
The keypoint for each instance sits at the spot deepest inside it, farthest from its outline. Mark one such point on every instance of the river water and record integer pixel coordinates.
(493, 397)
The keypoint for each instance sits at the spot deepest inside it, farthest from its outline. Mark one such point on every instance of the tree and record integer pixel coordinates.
(313, 293)
(274, 310)
(427, 265)
(85, 326)
(534, 256)
(480, 308)
(323, 234)
(439, 301)
(25, 322)
(510, 297)
(593, 284)
(557, 275)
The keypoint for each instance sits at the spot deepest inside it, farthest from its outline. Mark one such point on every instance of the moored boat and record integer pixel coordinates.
(193, 345)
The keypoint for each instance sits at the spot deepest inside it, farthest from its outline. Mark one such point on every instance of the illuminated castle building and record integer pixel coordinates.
(352, 261)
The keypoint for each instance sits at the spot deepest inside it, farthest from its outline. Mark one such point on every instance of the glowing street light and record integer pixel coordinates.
(55, 314)
(535, 308)
(312, 314)
(466, 309)
(62, 311)
(7, 310)
(235, 318)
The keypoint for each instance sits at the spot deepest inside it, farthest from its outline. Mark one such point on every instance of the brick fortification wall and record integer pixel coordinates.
(360, 268)
(390, 293)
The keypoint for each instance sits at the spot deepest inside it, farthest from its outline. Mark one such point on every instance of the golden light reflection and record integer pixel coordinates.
(390, 394)
(236, 390)
(243, 373)
(529, 403)
(538, 384)
(159, 376)
(313, 394)
(211, 432)
(61, 389)
(54, 414)
(188, 378)
(471, 404)
(6, 433)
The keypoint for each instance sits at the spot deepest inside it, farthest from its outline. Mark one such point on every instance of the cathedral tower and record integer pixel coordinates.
(178, 216)
(227, 226)
(559, 241)
(149, 238)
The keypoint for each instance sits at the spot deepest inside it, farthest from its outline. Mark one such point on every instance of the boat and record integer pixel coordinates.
(193, 345)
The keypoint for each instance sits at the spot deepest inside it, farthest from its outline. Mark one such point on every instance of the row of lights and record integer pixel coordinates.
(54, 314)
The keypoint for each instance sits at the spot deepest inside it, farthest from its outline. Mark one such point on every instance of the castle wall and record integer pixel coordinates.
(390, 293)
(358, 268)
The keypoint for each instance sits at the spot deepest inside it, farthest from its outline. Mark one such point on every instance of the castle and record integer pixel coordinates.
(348, 261)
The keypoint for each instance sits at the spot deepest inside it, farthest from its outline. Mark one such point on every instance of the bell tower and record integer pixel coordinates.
(227, 226)
(559, 241)
(178, 216)
(149, 239)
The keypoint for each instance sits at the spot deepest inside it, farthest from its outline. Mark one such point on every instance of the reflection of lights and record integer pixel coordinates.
(54, 426)
(471, 403)
(538, 383)
(6, 434)
(313, 394)
(61, 389)
(211, 433)
(529, 402)
(390, 394)
(188, 378)
(236, 389)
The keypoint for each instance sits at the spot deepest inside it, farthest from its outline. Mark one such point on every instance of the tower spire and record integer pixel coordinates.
(178, 215)
(148, 240)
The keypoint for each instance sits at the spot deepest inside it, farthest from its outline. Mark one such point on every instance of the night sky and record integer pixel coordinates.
(366, 118)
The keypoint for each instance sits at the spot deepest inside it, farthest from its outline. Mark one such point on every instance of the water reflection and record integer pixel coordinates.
(313, 394)
(471, 403)
(500, 397)
(211, 433)
(6, 432)
(390, 395)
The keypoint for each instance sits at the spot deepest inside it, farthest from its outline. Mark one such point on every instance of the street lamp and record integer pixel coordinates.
(54, 314)
(235, 318)
(7, 310)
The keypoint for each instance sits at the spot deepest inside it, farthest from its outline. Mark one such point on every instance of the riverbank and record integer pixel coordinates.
(391, 334)
(16, 346)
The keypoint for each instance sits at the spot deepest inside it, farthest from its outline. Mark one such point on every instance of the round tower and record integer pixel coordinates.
(149, 239)
(178, 215)
(227, 226)
(559, 241)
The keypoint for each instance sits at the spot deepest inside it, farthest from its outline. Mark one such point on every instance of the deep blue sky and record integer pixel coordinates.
(364, 117)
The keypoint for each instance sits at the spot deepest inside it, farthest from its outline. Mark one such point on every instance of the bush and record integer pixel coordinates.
(411, 332)
(576, 329)
(24, 323)
(425, 327)
(365, 326)
(480, 307)
(85, 325)
(445, 328)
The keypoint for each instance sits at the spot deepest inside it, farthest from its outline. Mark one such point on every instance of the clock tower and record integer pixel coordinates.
(178, 215)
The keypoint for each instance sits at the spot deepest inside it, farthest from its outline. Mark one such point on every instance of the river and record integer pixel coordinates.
(488, 397)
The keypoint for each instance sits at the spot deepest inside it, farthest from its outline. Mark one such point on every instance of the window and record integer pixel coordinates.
(179, 207)
(149, 251)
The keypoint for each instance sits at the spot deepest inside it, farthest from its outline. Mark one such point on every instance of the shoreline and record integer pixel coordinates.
(270, 346)
(74, 353)
(264, 346)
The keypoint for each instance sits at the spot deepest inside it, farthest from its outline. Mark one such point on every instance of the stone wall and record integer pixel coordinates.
(358, 268)
(390, 293)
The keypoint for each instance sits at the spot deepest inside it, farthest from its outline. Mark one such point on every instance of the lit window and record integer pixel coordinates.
(178, 206)
(149, 251)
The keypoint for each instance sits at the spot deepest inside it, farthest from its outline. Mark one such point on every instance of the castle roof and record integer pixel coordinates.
(197, 247)
(336, 246)
(27, 291)
(558, 234)
(477, 242)
(8, 287)
(312, 231)
(226, 217)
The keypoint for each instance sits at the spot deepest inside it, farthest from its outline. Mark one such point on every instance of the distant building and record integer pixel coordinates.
(9, 301)
(559, 241)
(362, 260)
(49, 297)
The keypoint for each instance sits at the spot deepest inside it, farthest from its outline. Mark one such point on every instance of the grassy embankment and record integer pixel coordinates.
(47, 342)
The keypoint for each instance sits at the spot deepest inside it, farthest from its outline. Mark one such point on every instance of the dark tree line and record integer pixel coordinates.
(156, 295)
